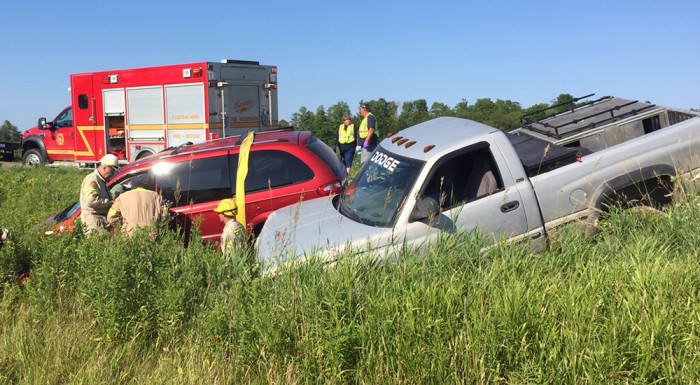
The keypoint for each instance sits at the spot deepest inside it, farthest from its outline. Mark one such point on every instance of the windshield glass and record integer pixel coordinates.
(66, 213)
(378, 192)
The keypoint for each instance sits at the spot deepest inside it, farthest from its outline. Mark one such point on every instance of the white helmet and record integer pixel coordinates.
(110, 160)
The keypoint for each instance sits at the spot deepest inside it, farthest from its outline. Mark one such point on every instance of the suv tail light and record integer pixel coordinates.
(333, 188)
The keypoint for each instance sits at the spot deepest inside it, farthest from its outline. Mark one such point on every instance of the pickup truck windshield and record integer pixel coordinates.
(378, 192)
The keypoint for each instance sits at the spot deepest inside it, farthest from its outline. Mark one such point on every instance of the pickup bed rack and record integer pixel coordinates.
(584, 116)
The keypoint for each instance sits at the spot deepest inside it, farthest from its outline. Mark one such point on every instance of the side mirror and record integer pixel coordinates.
(42, 123)
(425, 208)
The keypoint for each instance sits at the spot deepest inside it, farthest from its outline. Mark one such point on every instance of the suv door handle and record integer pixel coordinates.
(509, 206)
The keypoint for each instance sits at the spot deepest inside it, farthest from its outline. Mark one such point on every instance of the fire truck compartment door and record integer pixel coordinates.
(145, 113)
(185, 113)
(113, 102)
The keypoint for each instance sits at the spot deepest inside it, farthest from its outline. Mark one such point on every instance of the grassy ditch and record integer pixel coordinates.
(620, 308)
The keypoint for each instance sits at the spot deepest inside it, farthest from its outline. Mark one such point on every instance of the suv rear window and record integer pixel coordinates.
(327, 156)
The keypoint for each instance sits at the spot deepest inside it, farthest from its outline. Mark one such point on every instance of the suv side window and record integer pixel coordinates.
(270, 169)
(130, 182)
(194, 181)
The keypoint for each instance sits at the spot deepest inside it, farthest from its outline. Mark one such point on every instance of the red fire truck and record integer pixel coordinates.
(137, 112)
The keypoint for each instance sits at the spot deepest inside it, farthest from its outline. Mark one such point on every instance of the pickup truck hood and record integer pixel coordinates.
(312, 227)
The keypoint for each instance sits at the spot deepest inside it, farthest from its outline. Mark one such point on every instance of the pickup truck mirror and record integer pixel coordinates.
(42, 123)
(425, 208)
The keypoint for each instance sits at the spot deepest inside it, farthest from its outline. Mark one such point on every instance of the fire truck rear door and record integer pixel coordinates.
(242, 109)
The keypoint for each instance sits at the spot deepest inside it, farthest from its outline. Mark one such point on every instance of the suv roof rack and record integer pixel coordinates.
(180, 147)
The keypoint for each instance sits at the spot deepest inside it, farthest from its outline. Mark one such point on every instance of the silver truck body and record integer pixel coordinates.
(420, 184)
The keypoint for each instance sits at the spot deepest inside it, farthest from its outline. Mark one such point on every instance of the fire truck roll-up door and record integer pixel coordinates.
(145, 126)
(185, 114)
(114, 113)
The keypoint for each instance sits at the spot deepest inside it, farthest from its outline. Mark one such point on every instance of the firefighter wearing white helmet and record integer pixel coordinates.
(233, 237)
(95, 199)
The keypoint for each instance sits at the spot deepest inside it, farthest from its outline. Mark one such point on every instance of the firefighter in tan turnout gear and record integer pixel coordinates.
(95, 199)
(137, 208)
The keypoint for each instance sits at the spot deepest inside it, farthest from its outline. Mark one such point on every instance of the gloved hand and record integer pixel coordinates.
(365, 145)
(358, 149)
(334, 148)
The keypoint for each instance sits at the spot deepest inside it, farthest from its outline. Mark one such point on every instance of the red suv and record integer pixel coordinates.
(284, 167)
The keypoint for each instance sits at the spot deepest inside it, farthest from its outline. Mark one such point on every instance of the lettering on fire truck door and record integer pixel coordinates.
(185, 114)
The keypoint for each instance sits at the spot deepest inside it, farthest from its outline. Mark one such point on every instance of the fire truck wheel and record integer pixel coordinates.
(33, 158)
(144, 154)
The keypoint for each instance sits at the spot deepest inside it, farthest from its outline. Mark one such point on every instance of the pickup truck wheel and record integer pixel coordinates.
(33, 158)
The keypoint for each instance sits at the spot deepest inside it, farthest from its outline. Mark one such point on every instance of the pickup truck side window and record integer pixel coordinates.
(463, 178)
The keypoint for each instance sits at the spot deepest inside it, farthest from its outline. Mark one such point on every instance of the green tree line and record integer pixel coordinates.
(9, 133)
(392, 117)
(505, 115)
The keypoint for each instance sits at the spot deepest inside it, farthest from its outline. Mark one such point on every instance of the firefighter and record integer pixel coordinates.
(367, 134)
(233, 237)
(345, 140)
(138, 208)
(95, 199)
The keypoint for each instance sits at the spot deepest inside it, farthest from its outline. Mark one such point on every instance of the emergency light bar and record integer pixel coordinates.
(110, 79)
(191, 73)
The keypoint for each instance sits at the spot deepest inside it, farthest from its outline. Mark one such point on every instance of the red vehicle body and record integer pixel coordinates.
(285, 167)
(134, 113)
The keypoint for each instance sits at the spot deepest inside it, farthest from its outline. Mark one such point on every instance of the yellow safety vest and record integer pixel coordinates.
(364, 131)
(346, 135)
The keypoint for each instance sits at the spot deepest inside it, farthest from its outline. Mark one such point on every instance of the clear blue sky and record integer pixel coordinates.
(327, 51)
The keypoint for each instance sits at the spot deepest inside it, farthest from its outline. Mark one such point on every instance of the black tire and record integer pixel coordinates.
(33, 157)
(143, 155)
(8, 156)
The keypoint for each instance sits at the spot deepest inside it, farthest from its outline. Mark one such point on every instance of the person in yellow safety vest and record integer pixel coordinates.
(233, 237)
(95, 199)
(138, 208)
(367, 134)
(345, 142)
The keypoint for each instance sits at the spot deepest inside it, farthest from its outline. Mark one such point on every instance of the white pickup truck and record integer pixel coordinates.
(451, 174)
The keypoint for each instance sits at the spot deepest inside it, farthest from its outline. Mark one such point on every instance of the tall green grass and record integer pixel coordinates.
(622, 307)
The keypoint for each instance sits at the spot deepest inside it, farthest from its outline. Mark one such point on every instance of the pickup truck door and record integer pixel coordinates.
(472, 193)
